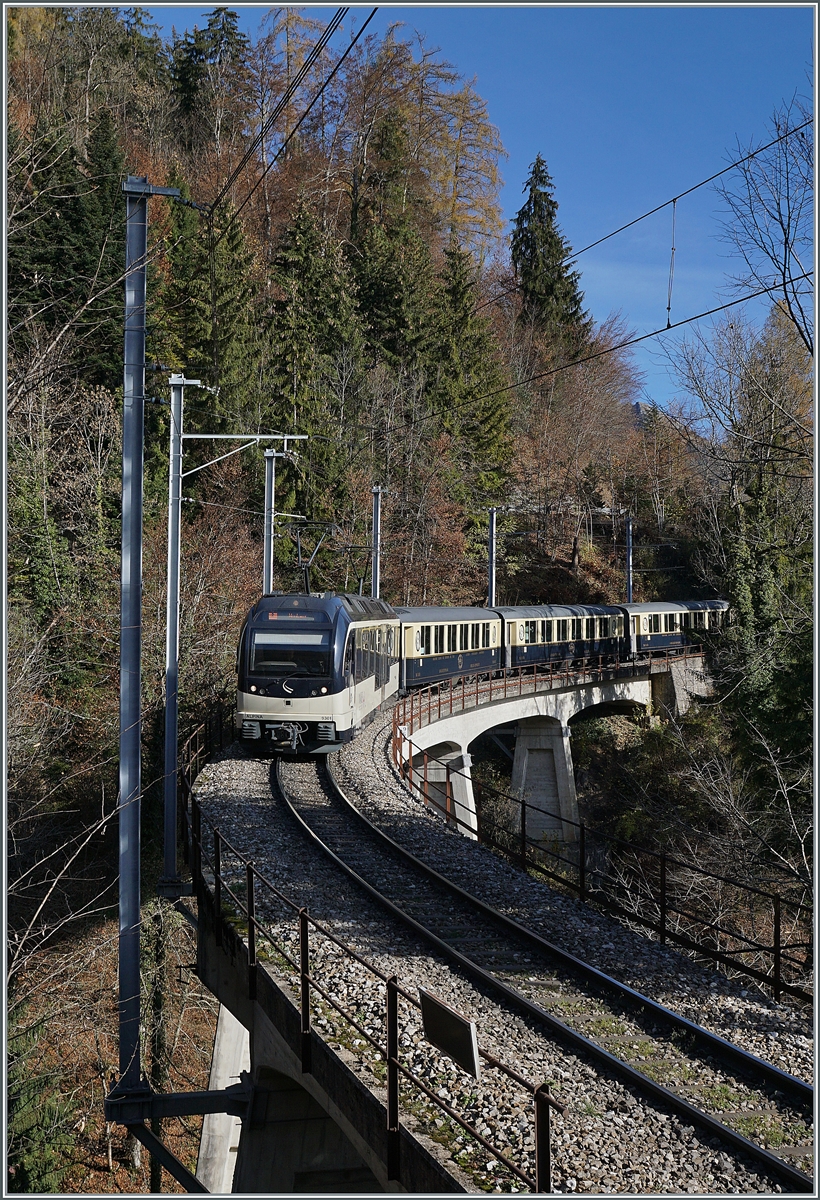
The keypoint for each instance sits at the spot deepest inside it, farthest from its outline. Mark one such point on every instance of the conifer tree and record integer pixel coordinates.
(314, 323)
(467, 375)
(549, 289)
(397, 294)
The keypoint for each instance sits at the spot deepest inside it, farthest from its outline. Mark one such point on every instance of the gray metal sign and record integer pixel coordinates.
(450, 1032)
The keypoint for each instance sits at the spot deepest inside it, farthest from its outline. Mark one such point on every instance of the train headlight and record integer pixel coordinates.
(253, 687)
(323, 691)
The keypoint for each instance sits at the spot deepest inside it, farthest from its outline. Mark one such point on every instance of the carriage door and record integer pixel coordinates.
(350, 658)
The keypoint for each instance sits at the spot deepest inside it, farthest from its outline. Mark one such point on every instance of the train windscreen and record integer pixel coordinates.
(286, 653)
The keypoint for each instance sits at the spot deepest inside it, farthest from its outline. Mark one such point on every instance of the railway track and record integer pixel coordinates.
(735, 1098)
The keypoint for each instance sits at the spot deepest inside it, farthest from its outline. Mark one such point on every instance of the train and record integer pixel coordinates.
(314, 668)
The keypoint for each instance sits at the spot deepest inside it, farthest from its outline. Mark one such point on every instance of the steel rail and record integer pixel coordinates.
(758, 1067)
(797, 1180)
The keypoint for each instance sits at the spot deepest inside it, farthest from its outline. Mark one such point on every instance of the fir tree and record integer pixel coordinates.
(314, 325)
(549, 288)
(397, 294)
(467, 375)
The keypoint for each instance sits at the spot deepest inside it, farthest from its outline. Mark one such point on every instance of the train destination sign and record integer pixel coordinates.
(450, 1032)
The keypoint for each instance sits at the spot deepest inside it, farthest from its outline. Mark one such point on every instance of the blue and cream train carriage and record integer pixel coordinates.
(312, 669)
(439, 643)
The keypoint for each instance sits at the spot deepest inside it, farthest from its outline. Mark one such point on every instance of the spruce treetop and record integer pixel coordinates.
(549, 289)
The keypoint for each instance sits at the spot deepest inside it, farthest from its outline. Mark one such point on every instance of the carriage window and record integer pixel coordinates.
(562, 628)
(463, 637)
(530, 632)
(654, 622)
(669, 622)
(686, 620)
(439, 639)
(485, 633)
(699, 620)
(714, 620)
(590, 631)
(576, 628)
(452, 637)
(474, 636)
(604, 630)
(546, 631)
(425, 639)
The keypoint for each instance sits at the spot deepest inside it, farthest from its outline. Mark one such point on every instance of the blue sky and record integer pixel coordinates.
(629, 106)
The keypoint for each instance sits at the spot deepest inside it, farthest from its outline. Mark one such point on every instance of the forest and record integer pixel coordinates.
(337, 266)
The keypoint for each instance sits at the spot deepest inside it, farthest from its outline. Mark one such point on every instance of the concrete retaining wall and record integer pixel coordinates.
(337, 1139)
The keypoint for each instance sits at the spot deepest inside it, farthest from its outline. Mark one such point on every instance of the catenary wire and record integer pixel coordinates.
(295, 129)
(672, 200)
(287, 96)
(577, 362)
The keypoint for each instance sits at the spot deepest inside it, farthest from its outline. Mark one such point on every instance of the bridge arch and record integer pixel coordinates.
(542, 767)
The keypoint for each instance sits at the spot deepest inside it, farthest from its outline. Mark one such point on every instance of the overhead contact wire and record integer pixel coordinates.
(671, 268)
(577, 362)
(287, 96)
(659, 207)
(295, 129)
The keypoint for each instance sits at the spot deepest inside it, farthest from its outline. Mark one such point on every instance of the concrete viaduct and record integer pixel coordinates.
(542, 772)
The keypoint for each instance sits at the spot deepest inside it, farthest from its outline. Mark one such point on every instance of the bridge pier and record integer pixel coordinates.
(290, 1144)
(218, 1145)
(543, 777)
(460, 804)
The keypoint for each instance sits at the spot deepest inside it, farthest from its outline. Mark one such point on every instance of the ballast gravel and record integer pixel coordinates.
(738, 1010)
(610, 1140)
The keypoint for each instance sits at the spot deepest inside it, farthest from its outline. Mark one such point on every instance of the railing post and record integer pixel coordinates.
(777, 963)
(304, 990)
(392, 1078)
(426, 796)
(543, 1150)
(410, 769)
(249, 874)
(218, 885)
(477, 796)
(582, 863)
(448, 795)
(196, 822)
(662, 930)
(523, 834)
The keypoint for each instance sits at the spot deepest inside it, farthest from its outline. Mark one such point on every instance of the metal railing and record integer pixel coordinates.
(649, 889)
(422, 707)
(195, 751)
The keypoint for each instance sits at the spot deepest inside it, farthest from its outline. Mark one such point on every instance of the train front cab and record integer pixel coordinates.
(308, 675)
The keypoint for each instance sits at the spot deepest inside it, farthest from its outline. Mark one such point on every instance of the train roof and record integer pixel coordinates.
(358, 608)
(551, 611)
(442, 614)
(660, 606)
